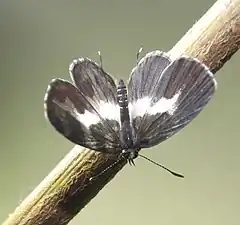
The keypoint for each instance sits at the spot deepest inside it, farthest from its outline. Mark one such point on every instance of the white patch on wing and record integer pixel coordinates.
(142, 106)
(165, 105)
(106, 110)
(109, 110)
(87, 118)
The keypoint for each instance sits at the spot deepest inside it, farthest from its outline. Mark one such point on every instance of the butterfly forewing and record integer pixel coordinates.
(178, 94)
(88, 113)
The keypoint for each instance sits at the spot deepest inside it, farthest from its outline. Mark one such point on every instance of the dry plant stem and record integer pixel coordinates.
(215, 37)
(62, 194)
(66, 190)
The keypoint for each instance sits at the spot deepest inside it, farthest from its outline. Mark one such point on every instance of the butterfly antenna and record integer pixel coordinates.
(157, 164)
(138, 53)
(105, 170)
(100, 59)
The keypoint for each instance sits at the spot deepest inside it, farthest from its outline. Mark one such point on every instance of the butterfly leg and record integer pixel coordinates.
(131, 162)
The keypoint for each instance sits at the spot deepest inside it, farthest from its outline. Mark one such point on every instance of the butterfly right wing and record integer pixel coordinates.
(179, 92)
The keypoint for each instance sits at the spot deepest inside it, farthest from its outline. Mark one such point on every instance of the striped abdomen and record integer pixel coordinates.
(126, 129)
(122, 99)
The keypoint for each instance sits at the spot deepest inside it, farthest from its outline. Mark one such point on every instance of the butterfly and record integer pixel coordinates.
(161, 97)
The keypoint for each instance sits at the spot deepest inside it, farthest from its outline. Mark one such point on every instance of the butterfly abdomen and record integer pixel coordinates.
(126, 129)
(122, 99)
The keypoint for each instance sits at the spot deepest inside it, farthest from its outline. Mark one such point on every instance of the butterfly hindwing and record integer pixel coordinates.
(179, 92)
(87, 114)
(93, 82)
(144, 80)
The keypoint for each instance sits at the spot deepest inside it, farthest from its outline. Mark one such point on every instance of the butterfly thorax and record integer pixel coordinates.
(127, 137)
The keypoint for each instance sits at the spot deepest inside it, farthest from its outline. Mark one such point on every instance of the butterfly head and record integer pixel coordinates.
(130, 155)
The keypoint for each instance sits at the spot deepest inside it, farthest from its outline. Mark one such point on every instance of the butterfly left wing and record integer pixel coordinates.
(85, 113)
(179, 93)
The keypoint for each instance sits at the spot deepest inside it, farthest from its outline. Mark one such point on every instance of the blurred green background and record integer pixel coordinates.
(38, 41)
